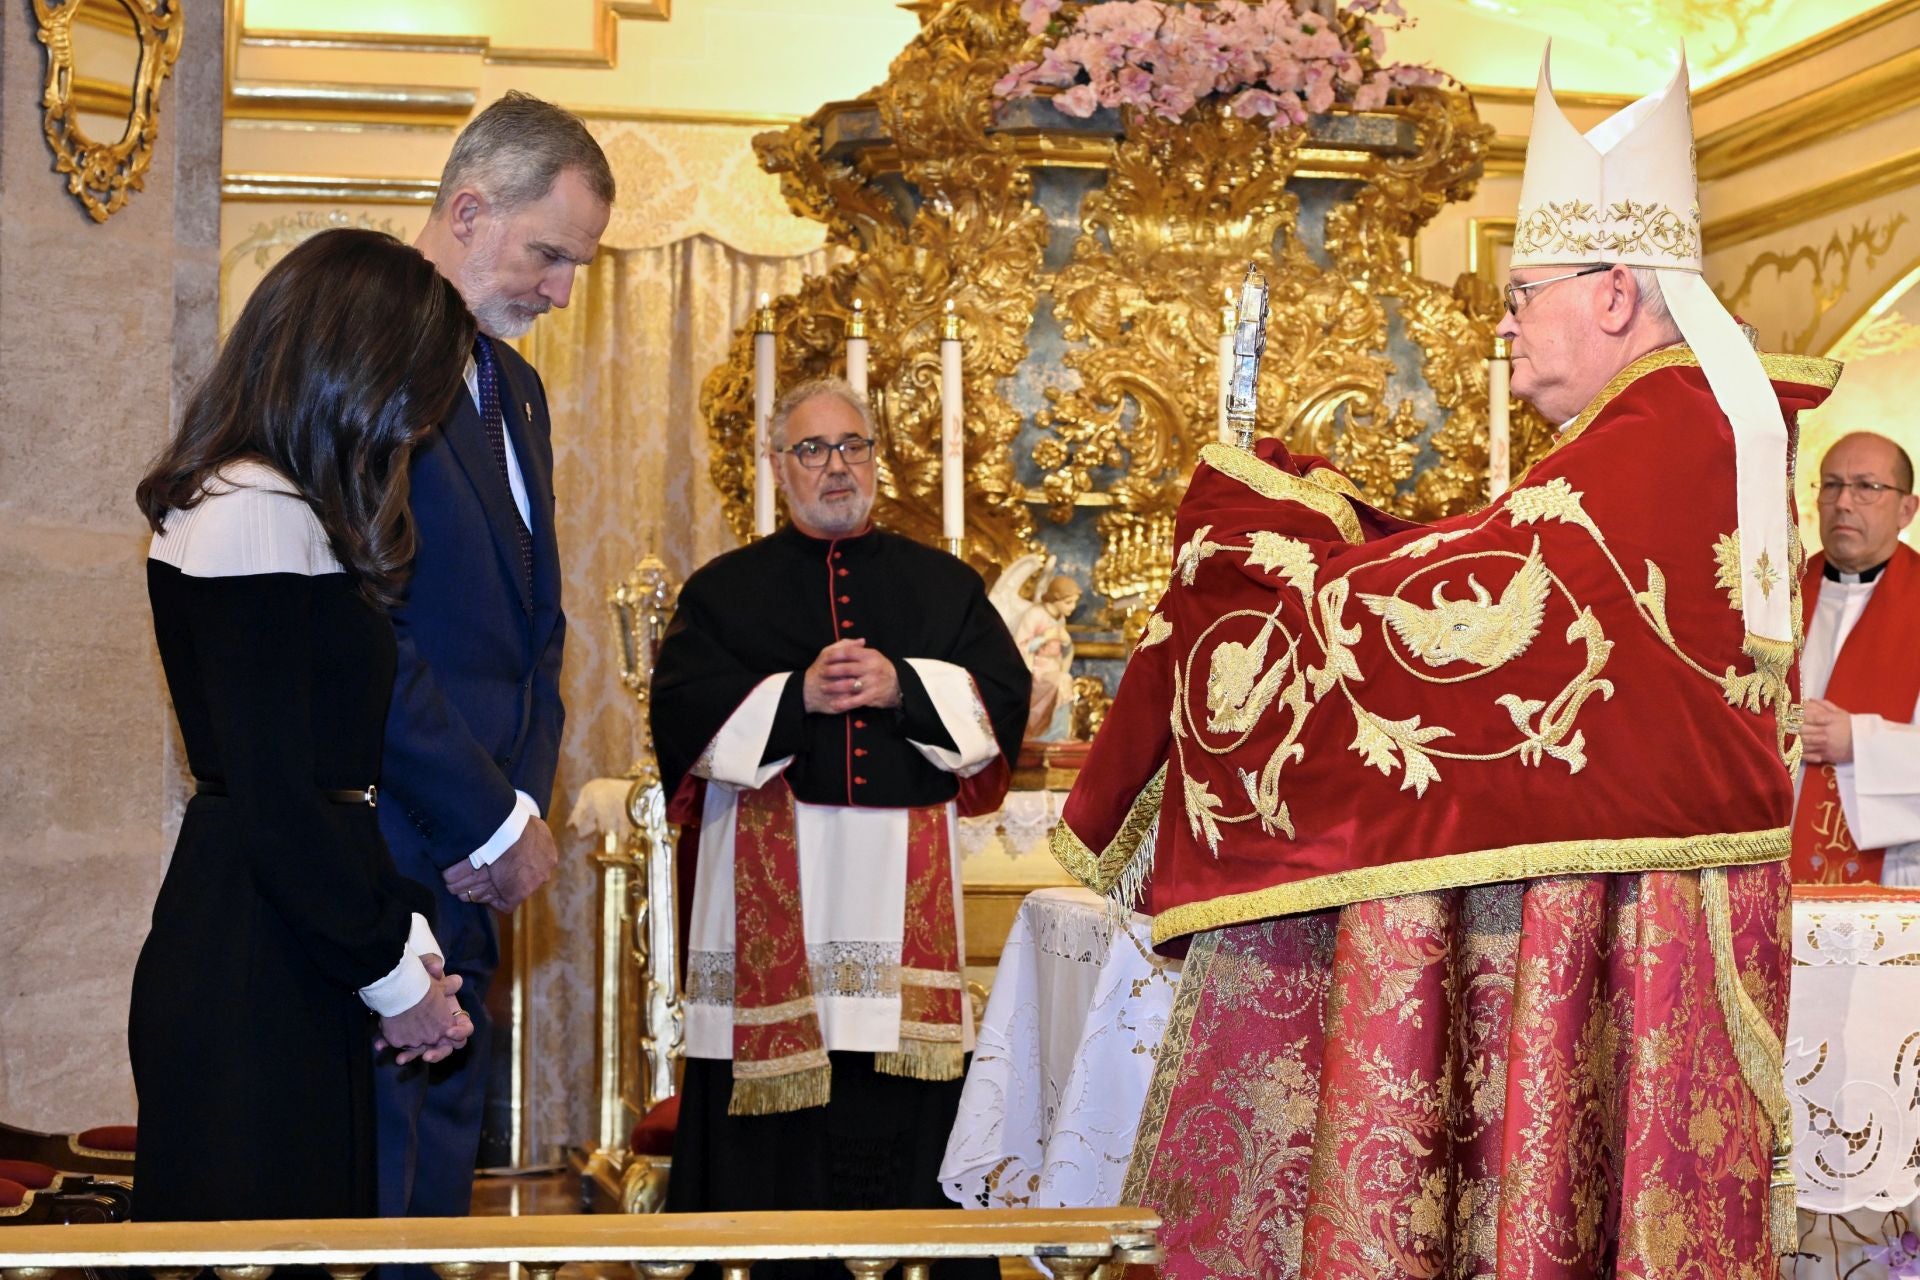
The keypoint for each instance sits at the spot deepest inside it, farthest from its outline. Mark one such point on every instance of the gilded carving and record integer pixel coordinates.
(1832, 266)
(936, 203)
(101, 172)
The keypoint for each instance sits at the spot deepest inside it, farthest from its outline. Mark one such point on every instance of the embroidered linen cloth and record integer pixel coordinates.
(1063, 1060)
(1330, 705)
(1853, 1048)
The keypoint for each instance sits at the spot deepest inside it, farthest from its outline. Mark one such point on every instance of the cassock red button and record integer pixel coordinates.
(859, 751)
(860, 782)
(841, 572)
(839, 555)
(859, 724)
(846, 599)
(846, 623)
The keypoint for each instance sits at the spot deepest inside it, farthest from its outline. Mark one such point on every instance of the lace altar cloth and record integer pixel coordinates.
(1065, 1055)
(1853, 1047)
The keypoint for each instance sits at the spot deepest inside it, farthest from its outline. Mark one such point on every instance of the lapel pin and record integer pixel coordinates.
(526, 410)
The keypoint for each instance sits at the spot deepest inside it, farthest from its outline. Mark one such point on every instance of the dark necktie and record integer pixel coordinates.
(496, 425)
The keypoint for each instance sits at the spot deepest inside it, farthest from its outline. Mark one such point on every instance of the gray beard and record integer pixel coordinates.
(834, 521)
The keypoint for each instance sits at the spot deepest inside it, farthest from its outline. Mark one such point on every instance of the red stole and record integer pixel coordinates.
(1876, 672)
(779, 1055)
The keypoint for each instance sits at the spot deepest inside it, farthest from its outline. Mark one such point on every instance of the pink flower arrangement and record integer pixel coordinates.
(1269, 61)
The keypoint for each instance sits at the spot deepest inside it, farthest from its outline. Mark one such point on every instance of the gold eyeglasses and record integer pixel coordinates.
(812, 454)
(1865, 492)
(1516, 293)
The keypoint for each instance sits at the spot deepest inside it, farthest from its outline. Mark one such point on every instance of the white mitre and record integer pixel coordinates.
(1625, 193)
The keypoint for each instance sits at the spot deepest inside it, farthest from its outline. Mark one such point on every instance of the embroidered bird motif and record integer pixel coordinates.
(1238, 689)
(1482, 631)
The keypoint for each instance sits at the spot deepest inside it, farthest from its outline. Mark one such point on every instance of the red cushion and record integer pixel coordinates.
(30, 1174)
(12, 1194)
(653, 1136)
(108, 1137)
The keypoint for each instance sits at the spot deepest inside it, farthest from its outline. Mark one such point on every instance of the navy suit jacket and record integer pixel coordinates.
(476, 711)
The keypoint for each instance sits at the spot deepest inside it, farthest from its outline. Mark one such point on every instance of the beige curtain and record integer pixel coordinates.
(623, 365)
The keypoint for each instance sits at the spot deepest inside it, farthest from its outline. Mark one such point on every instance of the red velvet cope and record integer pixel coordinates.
(1652, 752)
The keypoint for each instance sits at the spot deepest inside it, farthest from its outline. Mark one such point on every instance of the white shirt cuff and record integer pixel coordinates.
(523, 808)
(408, 981)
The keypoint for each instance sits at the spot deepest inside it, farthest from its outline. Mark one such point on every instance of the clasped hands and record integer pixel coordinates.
(435, 1027)
(1826, 734)
(513, 877)
(847, 675)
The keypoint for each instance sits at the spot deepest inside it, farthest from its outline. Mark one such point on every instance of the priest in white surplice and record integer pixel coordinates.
(826, 699)
(1858, 815)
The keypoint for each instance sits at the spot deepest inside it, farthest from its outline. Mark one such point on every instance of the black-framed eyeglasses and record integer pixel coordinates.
(812, 454)
(1516, 293)
(1865, 492)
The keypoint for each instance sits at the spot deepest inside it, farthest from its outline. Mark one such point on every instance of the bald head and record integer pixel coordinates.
(1866, 499)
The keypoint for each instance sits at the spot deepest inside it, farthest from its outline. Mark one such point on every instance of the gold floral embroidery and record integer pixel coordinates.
(1726, 575)
(1626, 226)
(1765, 576)
(1158, 629)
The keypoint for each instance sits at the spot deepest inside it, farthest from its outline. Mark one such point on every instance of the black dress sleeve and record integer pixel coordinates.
(254, 641)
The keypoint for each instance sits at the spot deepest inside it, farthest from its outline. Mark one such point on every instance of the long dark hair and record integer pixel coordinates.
(349, 350)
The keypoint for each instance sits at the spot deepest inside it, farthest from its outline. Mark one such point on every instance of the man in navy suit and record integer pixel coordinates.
(473, 733)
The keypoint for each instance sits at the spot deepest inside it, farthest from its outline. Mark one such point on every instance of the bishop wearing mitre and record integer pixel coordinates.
(1473, 831)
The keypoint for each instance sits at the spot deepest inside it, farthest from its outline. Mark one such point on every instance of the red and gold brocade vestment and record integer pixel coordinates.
(1475, 830)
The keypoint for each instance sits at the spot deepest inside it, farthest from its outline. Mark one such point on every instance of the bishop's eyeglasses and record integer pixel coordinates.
(1865, 492)
(812, 454)
(1517, 293)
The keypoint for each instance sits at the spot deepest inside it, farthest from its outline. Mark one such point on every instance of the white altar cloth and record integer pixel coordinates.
(1065, 1055)
(1853, 1048)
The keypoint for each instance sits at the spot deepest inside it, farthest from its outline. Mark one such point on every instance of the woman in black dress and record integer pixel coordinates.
(280, 534)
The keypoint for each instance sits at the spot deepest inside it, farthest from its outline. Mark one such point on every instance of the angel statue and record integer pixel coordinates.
(1040, 630)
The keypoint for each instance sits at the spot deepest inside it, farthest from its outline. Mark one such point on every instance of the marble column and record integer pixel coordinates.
(103, 329)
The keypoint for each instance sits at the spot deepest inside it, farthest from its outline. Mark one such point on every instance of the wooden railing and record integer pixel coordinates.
(1073, 1242)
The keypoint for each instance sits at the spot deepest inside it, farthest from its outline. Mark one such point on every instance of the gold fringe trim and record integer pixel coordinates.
(922, 1060)
(1128, 856)
(1168, 1061)
(775, 1095)
(1758, 1050)
(1482, 866)
(1271, 482)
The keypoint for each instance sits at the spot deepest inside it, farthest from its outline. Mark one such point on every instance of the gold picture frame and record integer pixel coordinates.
(101, 174)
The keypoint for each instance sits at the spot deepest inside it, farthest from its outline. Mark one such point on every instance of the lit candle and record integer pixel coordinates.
(1499, 427)
(762, 414)
(953, 449)
(1225, 362)
(857, 350)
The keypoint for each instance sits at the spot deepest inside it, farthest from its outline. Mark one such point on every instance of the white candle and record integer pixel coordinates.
(857, 350)
(1225, 362)
(1499, 426)
(953, 449)
(762, 414)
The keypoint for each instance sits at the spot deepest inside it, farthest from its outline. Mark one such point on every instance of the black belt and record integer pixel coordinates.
(368, 795)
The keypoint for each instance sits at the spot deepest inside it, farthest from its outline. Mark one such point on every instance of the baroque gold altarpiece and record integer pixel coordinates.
(1087, 261)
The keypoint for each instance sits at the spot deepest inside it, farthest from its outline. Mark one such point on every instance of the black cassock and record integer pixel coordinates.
(768, 608)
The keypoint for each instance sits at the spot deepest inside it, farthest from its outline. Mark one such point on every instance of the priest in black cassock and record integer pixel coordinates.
(825, 702)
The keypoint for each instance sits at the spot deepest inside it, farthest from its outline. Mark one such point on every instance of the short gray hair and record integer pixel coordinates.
(1653, 300)
(514, 151)
(839, 388)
